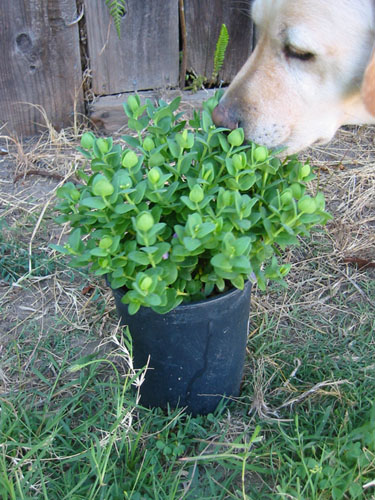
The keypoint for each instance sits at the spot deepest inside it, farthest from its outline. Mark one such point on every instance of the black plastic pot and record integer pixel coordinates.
(196, 351)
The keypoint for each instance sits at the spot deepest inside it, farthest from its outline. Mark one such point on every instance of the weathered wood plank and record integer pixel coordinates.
(145, 57)
(108, 115)
(203, 23)
(40, 64)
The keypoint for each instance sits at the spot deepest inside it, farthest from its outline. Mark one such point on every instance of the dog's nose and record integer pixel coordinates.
(224, 116)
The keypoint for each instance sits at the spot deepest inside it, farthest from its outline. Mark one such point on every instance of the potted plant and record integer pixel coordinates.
(180, 218)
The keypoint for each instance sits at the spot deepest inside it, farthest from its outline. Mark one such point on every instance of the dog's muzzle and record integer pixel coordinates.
(225, 117)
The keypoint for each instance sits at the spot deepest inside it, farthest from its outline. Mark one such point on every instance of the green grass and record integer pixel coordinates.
(303, 428)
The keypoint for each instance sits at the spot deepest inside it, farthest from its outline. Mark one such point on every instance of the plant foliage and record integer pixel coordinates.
(117, 9)
(192, 212)
(221, 47)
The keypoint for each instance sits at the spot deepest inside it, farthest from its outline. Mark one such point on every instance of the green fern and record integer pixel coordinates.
(117, 9)
(221, 47)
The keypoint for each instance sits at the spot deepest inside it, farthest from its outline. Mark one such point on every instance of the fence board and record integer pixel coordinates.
(40, 64)
(203, 23)
(145, 57)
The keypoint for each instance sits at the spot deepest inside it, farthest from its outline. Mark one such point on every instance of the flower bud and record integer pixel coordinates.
(148, 144)
(196, 194)
(104, 263)
(239, 161)
(75, 194)
(286, 196)
(154, 175)
(236, 137)
(103, 145)
(102, 187)
(129, 160)
(296, 190)
(307, 205)
(87, 140)
(304, 171)
(145, 283)
(145, 221)
(105, 242)
(260, 154)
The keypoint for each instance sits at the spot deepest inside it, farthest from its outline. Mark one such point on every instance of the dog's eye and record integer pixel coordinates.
(294, 53)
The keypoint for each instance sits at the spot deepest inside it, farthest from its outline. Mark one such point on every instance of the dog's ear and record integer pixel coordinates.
(368, 85)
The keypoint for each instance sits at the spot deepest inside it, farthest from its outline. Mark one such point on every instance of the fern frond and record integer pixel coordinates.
(117, 9)
(221, 47)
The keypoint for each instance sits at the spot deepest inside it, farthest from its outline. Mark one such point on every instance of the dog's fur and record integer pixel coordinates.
(313, 70)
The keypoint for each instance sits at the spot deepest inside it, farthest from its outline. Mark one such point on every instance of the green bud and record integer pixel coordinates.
(104, 263)
(133, 103)
(103, 145)
(196, 194)
(260, 154)
(102, 187)
(286, 196)
(145, 283)
(236, 137)
(239, 161)
(148, 144)
(87, 140)
(307, 205)
(304, 171)
(105, 242)
(296, 190)
(129, 160)
(154, 175)
(145, 221)
(75, 194)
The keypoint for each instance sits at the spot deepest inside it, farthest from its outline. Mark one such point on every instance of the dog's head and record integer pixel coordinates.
(304, 78)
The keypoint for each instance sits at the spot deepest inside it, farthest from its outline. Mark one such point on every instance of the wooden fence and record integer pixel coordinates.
(56, 52)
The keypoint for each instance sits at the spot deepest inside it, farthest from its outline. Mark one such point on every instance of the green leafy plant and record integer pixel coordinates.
(198, 81)
(117, 9)
(221, 47)
(178, 213)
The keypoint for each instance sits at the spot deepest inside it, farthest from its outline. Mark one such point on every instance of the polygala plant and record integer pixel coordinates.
(184, 211)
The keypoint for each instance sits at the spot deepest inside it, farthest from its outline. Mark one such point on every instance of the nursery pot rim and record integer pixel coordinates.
(183, 305)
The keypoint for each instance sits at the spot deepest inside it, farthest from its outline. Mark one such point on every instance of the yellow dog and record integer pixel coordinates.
(312, 71)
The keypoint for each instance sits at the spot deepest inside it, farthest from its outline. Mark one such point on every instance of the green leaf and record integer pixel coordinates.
(98, 252)
(221, 262)
(59, 248)
(139, 258)
(285, 240)
(221, 47)
(117, 9)
(238, 282)
(206, 120)
(132, 141)
(188, 202)
(74, 239)
(205, 229)
(123, 208)
(118, 282)
(191, 243)
(133, 308)
(173, 106)
(174, 148)
(93, 202)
